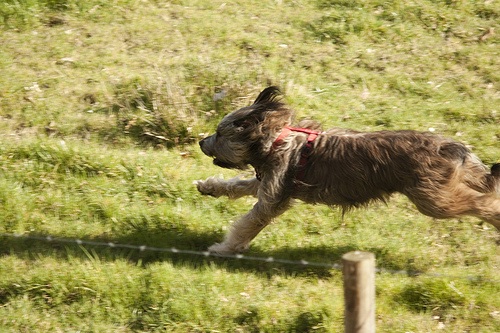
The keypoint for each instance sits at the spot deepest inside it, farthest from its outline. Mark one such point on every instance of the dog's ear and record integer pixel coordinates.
(270, 94)
(267, 105)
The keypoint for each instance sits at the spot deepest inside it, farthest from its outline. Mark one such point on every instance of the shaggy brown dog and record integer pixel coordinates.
(340, 167)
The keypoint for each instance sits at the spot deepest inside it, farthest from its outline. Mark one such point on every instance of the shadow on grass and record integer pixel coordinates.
(196, 241)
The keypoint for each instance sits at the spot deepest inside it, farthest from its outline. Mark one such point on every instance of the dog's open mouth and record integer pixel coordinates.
(228, 165)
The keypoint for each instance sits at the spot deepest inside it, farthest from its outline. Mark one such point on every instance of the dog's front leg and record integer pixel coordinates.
(248, 226)
(233, 188)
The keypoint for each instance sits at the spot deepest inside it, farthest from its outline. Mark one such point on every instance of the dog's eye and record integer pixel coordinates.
(241, 124)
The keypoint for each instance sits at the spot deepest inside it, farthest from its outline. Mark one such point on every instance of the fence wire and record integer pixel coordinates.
(206, 254)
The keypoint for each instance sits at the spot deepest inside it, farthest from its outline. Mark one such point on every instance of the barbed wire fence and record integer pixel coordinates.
(206, 254)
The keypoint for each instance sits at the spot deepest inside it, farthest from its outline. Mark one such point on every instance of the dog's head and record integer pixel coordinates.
(245, 136)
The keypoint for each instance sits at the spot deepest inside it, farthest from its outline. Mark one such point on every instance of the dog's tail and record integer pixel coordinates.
(493, 179)
(495, 170)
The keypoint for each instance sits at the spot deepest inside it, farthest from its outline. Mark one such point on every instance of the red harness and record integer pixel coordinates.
(306, 150)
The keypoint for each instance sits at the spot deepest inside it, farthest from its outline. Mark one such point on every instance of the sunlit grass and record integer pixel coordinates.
(101, 107)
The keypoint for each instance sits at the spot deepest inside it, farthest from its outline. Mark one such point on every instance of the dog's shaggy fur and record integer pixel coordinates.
(346, 168)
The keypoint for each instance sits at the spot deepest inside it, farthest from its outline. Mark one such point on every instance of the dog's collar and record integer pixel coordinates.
(306, 149)
(288, 129)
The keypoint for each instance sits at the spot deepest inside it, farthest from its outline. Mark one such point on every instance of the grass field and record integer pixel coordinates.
(101, 107)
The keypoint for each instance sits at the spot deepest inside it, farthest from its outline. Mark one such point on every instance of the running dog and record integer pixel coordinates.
(340, 167)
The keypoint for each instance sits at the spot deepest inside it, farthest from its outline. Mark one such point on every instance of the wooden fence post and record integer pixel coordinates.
(359, 292)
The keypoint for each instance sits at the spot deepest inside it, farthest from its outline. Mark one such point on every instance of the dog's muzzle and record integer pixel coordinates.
(201, 143)
(204, 146)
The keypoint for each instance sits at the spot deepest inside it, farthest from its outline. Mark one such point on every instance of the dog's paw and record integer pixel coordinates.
(210, 186)
(224, 248)
(221, 248)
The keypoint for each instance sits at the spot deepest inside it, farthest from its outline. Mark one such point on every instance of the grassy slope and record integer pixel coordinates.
(101, 106)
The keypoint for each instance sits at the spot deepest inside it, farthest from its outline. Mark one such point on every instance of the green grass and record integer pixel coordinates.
(101, 107)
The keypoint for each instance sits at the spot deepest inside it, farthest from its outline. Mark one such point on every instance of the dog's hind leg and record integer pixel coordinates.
(233, 188)
(476, 176)
(487, 208)
(486, 203)
(248, 226)
(458, 201)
